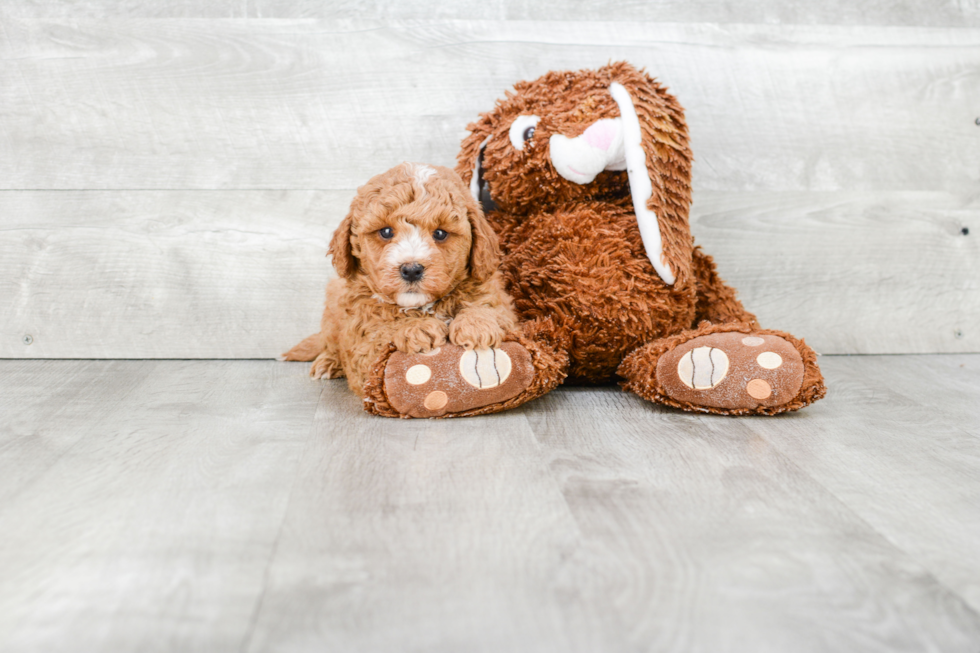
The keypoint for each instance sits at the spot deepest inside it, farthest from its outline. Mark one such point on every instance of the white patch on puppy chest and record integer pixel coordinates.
(411, 299)
(485, 368)
(422, 173)
(410, 247)
(702, 368)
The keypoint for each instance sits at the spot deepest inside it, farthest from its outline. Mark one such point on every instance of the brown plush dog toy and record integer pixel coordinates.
(586, 178)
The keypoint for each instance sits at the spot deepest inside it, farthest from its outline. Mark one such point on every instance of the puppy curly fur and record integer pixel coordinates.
(372, 306)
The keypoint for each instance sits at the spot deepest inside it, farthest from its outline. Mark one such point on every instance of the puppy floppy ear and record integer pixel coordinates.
(341, 249)
(484, 249)
(658, 161)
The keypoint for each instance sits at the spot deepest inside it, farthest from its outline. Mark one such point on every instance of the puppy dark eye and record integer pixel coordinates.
(528, 133)
(387, 233)
(440, 235)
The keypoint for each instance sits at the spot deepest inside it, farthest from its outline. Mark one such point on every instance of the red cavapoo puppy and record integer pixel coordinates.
(418, 265)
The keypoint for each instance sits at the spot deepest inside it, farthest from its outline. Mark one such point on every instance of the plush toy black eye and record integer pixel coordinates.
(440, 235)
(387, 233)
(522, 130)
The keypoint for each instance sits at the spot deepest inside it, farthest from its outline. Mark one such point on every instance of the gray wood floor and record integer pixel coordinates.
(238, 506)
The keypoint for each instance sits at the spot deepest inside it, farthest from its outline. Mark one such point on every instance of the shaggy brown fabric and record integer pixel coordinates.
(573, 258)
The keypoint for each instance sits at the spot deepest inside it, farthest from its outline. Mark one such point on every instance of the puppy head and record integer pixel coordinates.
(607, 134)
(413, 234)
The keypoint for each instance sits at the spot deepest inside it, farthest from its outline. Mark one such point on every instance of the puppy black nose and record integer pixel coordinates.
(412, 271)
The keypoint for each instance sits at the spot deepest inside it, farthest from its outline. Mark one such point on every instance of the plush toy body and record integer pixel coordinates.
(585, 177)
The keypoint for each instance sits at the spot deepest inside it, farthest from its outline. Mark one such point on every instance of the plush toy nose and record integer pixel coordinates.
(598, 148)
(412, 271)
(601, 134)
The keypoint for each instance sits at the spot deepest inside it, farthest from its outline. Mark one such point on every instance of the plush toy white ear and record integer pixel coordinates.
(641, 188)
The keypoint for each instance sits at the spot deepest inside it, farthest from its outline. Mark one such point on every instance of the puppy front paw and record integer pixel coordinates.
(422, 336)
(475, 332)
(326, 367)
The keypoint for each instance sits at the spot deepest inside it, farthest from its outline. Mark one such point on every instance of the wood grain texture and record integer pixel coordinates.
(151, 529)
(40, 399)
(899, 443)
(853, 273)
(174, 505)
(702, 516)
(306, 104)
(835, 175)
(240, 274)
(426, 536)
(155, 274)
(947, 13)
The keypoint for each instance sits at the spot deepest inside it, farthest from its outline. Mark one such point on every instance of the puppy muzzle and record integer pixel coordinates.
(412, 272)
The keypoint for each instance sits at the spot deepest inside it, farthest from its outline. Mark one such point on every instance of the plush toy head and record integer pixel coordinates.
(413, 233)
(611, 134)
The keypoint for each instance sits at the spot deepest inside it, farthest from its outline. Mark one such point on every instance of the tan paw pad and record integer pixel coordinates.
(453, 380)
(732, 370)
(769, 360)
(702, 368)
(758, 389)
(418, 374)
(485, 368)
(436, 400)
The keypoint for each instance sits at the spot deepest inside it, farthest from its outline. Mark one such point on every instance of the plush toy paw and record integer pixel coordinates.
(732, 370)
(451, 379)
(729, 370)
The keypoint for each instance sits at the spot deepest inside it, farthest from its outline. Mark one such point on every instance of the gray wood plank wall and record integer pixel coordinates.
(170, 173)
(932, 13)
